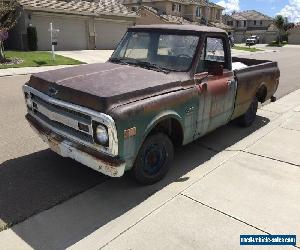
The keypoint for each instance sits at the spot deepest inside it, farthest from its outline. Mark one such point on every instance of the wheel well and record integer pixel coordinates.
(261, 93)
(170, 127)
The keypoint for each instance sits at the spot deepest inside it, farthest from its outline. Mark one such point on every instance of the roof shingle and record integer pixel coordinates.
(112, 7)
(250, 15)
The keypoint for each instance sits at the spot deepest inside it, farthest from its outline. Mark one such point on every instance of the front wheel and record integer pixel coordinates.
(153, 160)
(248, 118)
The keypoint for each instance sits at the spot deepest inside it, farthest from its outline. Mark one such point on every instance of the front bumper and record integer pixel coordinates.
(107, 165)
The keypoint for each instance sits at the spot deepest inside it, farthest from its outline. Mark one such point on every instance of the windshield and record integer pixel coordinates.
(157, 50)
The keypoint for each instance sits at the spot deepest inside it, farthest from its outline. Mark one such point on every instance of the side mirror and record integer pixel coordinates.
(215, 69)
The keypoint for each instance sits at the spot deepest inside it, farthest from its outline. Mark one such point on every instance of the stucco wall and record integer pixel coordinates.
(264, 36)
(265, 24)
(294, 36)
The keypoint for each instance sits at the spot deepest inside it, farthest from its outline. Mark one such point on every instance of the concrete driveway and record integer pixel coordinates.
(87, 56)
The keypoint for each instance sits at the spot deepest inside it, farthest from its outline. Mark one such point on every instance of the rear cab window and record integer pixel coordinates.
(213, 53)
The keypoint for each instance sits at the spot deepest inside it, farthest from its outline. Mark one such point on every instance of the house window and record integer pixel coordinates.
(176, 7)
(261, 22)
(237, 23)
(198, 11)
(230, 23)
(254, 22)
(245, 23)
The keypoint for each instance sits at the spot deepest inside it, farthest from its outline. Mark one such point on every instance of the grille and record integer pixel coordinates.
(65, 121)
(71, 121)
(62, 110)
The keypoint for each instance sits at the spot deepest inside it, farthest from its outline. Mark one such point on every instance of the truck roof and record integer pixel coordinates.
(181, 27)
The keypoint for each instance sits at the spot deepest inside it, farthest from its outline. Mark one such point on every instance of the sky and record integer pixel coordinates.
(287, 8)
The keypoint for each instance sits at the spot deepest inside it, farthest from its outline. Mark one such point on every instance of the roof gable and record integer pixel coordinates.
(250, 15)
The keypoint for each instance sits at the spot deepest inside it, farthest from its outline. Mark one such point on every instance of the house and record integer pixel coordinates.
(251, 22)
(176, 11)
(94, 24)
(294, 34)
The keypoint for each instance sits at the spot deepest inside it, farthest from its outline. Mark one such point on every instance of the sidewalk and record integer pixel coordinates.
(219, 187)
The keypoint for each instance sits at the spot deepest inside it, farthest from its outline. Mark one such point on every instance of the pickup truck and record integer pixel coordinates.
(164, 85)
(252, 40)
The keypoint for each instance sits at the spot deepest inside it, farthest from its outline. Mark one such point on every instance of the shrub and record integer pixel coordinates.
(32, 38)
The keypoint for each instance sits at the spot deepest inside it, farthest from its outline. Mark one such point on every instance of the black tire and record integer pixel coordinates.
(248, 118)
(153, 160)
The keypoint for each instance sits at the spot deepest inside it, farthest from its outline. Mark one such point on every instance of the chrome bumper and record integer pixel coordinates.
(69, 149)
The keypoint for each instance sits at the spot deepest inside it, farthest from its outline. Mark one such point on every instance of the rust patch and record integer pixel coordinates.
(129, 132)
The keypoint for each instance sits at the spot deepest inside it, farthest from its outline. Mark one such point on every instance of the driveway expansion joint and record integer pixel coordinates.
(270, 158)
(226, 214)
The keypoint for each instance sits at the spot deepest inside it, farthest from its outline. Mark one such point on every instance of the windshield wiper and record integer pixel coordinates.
(118, 60)
(139, 63)
(152, 66)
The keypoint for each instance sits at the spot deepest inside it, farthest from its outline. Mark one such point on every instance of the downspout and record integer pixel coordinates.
(207, 12)
(94, 30)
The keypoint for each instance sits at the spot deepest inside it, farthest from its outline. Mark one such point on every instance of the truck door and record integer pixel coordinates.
(216, 85)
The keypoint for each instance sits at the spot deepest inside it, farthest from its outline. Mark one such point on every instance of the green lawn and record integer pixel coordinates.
(251, 49)
(37, 59)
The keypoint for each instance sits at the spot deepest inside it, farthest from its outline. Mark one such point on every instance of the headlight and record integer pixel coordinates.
(28, 100)
(102, 135)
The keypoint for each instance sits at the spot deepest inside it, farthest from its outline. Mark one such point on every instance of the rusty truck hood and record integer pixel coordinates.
(103, 86)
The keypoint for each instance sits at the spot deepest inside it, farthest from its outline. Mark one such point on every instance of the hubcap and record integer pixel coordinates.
(154, 158)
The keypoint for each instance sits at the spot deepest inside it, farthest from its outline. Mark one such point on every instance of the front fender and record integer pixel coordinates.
(164, 115)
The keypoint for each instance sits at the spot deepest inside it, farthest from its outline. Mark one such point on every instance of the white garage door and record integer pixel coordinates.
(109, 33)
(72, 35)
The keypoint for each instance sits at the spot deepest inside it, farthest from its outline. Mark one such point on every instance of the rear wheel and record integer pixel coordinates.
(153, 160)
(248, 118)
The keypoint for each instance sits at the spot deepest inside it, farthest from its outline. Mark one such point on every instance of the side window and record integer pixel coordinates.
(213, 52)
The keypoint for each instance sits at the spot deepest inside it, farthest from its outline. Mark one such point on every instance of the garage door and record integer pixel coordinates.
(109, 33)
(72, 35)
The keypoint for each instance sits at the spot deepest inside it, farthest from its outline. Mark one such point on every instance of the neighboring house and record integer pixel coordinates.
(294, 35)
(149, 15)
(175, 11)
(98, 24)
(251, 22)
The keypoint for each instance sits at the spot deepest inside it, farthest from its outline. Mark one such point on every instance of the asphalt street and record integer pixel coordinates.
(33, 179)
(289, 65)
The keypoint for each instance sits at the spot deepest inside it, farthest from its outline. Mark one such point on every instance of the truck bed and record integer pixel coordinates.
(259, 78)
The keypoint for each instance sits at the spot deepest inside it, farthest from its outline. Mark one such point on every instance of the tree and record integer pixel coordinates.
(280, 23)
(10, 11)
